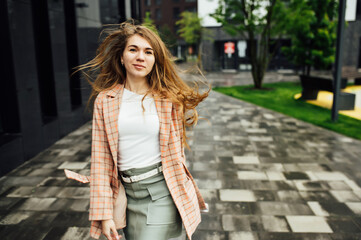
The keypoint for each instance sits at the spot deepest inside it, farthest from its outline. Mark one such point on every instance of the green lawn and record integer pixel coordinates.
(281, 99)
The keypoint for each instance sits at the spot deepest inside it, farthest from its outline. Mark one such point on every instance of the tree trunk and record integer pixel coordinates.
(259, 63)
(260, 55)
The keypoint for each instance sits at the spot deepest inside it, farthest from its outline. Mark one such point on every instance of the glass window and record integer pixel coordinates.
(147, 2)
(358, 10)
(176, 13)
(191, 9)
(176, 1)
(158, 2)
(190, 0)
(158, 14)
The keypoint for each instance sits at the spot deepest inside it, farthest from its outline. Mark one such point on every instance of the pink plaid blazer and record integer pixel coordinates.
(104, 184)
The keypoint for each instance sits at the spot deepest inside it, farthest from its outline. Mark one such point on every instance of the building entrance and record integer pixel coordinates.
(228, 55)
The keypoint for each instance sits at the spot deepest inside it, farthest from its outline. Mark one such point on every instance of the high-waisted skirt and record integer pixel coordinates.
(151, 212)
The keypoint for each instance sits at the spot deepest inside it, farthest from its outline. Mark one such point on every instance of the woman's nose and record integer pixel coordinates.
(140, 55)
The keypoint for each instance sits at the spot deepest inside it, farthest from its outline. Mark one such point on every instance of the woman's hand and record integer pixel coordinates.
(109, 230)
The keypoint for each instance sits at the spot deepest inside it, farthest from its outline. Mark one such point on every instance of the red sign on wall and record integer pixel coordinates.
(229, 47)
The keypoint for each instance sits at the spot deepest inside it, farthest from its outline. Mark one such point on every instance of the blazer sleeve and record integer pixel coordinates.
(101, 194)
(177, 118)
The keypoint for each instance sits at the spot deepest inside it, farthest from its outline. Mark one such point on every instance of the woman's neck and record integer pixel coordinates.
(139, 86)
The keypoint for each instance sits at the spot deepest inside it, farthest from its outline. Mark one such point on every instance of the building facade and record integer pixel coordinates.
(217, 58)
(165, 14)
(42, 42)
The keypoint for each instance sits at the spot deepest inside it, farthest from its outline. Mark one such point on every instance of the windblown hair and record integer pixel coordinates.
(163, 78)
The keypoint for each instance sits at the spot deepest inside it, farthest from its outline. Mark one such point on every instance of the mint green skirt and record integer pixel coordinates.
(151, 212)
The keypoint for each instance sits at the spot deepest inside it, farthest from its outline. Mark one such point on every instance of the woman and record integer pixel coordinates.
(138, 138)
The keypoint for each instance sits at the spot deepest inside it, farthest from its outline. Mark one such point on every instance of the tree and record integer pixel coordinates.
(191, 30)
(168, 36)
(149, 23)
(312, 28)
(258, 21)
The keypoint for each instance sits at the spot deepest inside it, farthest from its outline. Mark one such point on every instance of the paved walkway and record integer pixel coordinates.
(264, 175)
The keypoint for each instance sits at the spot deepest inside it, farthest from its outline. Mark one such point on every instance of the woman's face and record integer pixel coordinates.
(138, 57)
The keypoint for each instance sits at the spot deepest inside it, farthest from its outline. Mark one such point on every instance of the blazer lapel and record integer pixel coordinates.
(111, 113)
(164, 110)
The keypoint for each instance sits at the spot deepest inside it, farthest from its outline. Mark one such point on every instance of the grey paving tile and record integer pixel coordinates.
(211, 222)
(281, 208)
(70, 219)
(73, 165)
(336, 208)
(339, 185)
(79, 205)
(251, 175)
(21, 181)
(317, 209)
(245, 160)
(74, 233)
(319, 196)
(241, 223)
(289, 196)
(294, 236)
(74, 192)
(275, 176)
(308, 224)
(44, 204)
(243, 236)
(241, 208)
(7, 203)
(343, 225)
(345, 196)
(209, 195)
(210, 235)
(355, 207)
(275, 224)
(14, 218)
(10, 232)
(236, 195)
(268, 196)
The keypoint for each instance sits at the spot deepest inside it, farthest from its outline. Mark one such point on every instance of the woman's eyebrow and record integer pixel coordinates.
(138, 47)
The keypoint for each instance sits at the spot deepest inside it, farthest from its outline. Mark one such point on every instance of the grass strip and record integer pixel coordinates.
(280, 98)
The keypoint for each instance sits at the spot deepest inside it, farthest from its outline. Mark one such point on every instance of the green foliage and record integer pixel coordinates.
(260, 22)
(312, 27)
(281, 99)
(242, 17)
(168, 36)
(149, 23)
(190, 28)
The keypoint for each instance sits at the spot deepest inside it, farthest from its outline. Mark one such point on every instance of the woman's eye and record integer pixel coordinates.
(132, 50)
(149, 52)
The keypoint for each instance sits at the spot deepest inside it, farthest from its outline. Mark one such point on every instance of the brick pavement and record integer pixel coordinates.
(264, 175)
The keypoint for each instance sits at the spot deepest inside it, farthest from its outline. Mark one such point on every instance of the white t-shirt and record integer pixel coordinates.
(138, 144)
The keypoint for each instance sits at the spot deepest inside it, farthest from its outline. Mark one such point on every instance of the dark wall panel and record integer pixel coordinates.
(69, 117)
(26, 77)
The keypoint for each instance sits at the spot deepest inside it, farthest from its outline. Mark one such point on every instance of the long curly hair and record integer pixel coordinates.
(164, 79)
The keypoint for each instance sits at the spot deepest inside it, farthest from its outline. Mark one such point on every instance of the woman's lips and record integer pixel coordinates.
(138, 66)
